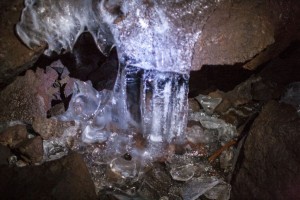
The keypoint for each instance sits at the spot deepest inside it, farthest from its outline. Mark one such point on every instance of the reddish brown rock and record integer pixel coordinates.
(13, 135)
(238, 31)
(67, 179)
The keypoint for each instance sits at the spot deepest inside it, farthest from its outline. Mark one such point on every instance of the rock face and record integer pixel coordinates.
(15, 57)
(67, 178)
(271, 163)
(28, 96)
(250, 32)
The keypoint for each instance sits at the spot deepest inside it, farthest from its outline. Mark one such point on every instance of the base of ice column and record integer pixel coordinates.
(164, 105)
(156, 101)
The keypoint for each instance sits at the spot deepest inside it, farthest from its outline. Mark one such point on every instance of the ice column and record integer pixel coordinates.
(155, 41)
(152, 102)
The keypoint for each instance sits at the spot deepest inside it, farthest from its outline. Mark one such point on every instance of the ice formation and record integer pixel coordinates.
(148, 105)
(157, 36)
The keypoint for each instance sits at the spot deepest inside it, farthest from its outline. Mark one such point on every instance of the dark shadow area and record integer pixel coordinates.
(212, 77)
(86, 62)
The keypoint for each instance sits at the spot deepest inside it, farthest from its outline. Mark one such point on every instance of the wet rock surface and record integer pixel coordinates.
(271, 165)
(67, 178)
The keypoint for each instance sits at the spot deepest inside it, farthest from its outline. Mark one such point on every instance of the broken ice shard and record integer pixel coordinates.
(208, 103)
(183, 173)
(195, 187)
(219, 192)
(124, 168)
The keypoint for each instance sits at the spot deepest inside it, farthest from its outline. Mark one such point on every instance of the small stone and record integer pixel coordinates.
(27, 97)
(48, 128)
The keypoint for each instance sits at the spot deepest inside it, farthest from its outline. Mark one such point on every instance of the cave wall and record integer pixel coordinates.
(248, 32)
